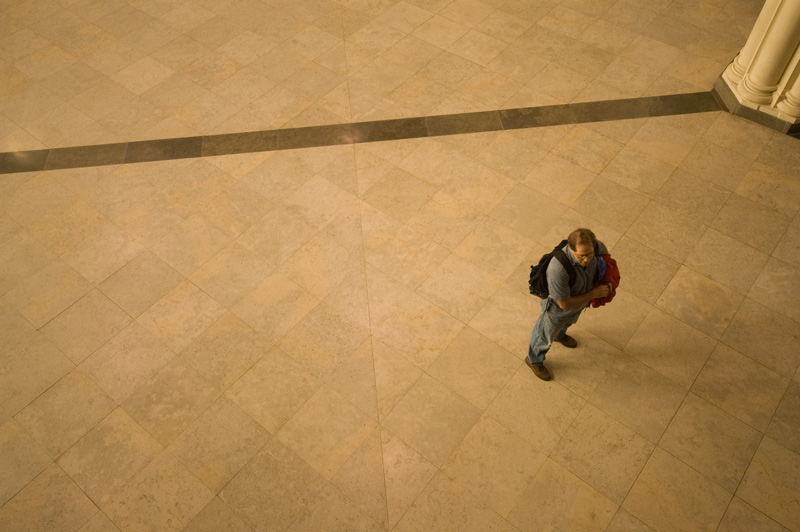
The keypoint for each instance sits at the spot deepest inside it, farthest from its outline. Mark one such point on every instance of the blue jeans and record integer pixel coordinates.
(549, 328)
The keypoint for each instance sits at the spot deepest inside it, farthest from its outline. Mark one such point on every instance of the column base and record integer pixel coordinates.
(770, 117)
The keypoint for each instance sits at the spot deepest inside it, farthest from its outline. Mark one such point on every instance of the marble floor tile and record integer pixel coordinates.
(60, 231)
(581, 369)
(445, 504)
(725, 377)
(770, 188)
(671, 346)
(260, 308)
(700, 302)
(274, 489)
(445, 220)
(419, 331)
(611, 204)
(723, 459)
(542, 422)
(231, 274)
(323, 340)
(474, 367)
(273, 390)
(508, 319)
(765, 336)
(459, 288)
(638, 171)
(566, 503)
(167, 403)
(63, 414)
(666, 231)
(88, 324)
(478, 188)
(736, 133)
(103, 253)
(326, 431)
(21, 458)
(560, 179)
(494, 464)
(225, 351)
(785, 421)
(418, 419)
(361, 479)
(751, 223)
(516, 213)
(741, 516)
(397, 250)
(664, 142)
(639, 397)
(21, 255)
(726, 261)
(190, 245)
(770, 482)
(512, 154)
(625, 522)
(163, 495)
(219, 443)
(722, 166)
(216, 516)
(181, 316)
(591, 438)
(48, 292)
(692, 196)
(773, 287)
(131, 357)
(669, 495)
(645, 271)
(394, 376)
(109, 455)
(616, 322)
(68, 508)
(334, 513)
(322, 264)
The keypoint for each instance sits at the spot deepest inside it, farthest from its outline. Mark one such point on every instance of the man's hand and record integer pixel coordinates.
(601, 290)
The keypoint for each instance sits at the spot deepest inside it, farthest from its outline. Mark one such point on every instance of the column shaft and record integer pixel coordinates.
(772, 56)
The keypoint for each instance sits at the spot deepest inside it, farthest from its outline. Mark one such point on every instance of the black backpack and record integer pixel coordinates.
(538, 281)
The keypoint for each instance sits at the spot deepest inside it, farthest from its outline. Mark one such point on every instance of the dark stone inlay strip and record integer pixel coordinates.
(164, 150)
(610, 110)
(233, 143)
(23, 161)
(83, 156)
(527, 117)
(398, 129)
(680, 104)
(374, 131)
(464, 123)
(312, 136)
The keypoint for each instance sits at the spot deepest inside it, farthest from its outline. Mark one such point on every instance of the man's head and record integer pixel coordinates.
(582, 242)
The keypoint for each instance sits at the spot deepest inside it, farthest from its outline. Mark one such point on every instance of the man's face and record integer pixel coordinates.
(584, 253)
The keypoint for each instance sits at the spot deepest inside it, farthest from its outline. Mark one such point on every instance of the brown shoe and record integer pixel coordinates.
(568, 341)
(539, 370)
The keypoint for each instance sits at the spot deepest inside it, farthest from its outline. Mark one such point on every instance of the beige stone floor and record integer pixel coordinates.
(333, 338)
(77, 72)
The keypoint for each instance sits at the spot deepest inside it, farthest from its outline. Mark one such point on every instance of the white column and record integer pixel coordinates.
(736, 70)
(773, 54)
(791, 102)
(765, 76)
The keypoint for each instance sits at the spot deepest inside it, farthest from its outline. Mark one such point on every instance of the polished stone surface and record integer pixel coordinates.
(263, 267)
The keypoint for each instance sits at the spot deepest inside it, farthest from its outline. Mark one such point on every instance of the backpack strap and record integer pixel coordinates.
(565, 262)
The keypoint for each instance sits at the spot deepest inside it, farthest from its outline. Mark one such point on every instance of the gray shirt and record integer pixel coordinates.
(558, 280)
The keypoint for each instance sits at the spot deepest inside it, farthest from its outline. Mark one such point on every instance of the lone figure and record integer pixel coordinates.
(565, 303)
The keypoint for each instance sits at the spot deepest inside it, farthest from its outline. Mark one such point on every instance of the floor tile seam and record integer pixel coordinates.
(353, 132)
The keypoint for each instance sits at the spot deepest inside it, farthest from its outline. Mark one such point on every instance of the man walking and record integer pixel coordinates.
(565, 303)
